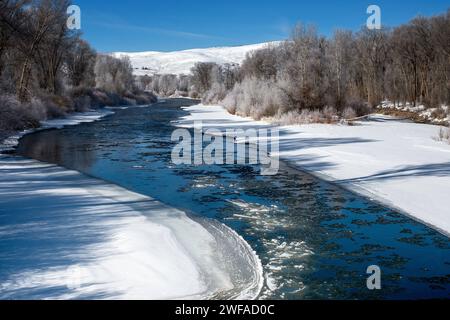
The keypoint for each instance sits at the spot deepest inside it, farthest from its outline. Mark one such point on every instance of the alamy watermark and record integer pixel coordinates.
(374, 280)
(74, 19)
(374, 20)
(230, 146)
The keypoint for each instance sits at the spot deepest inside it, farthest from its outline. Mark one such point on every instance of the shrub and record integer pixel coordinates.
(330, 115)
(306, 116)
(82, 103)
(36, 109)
(17, 116)
(214, 95)
(82, 98)
(439, 113)
(254, 98)
(349, 113)
(56, 106)
(290, 118)
(142, 97)
(193, 93)
(360, 107)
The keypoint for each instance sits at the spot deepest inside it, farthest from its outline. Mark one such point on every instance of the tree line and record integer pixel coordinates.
(47, 70)
(311, 78)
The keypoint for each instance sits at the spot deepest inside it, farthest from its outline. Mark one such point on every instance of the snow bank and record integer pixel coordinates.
(395, 162)
(440, 115)
(73, 119)
(64, 235)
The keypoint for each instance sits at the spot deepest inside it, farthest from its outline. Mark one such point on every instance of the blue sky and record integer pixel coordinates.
(166, 25)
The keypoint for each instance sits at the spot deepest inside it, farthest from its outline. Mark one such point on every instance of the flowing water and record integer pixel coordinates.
(315, 240)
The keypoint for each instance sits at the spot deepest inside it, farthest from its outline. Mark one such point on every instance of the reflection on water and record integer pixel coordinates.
(315, 240)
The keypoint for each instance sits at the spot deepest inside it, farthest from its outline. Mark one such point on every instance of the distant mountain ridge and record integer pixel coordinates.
(181, 62)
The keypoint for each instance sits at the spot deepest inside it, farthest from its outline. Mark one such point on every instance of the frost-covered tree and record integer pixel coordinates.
(80, 62)
(202, 75)
(114, 74)
(317, 78)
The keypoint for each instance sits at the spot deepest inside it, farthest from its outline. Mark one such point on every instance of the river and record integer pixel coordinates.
(315, 240)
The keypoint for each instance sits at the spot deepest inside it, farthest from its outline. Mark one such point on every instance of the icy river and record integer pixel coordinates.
(314, 239)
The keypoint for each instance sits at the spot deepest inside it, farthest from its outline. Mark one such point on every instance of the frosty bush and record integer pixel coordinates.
(15, 115)
(214, 95)
(330, 115)
(349, 113)
(56, 106)
(291, 118)
(37, 109)
(254, 98)
(113, 75)
(345, 75)
(210, 80)
(361, 109)
(306, 116)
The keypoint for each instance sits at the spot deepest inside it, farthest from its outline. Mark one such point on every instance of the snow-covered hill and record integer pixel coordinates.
(181, 62)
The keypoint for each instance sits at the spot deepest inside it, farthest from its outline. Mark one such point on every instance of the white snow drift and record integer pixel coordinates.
(396, 162)
(67, 236)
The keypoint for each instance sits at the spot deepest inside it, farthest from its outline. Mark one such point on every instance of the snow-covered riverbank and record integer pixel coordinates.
(71, 120)
(395, 162)
(64, 235)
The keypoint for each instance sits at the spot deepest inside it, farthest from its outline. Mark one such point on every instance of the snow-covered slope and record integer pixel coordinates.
(181, 62)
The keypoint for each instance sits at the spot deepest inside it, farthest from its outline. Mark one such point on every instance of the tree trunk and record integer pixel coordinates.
(24, 74)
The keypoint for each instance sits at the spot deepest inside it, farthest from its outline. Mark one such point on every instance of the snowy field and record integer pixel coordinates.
(181, 62)
(395, 162)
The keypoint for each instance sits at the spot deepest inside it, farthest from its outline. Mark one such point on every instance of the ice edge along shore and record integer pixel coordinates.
(165, 254)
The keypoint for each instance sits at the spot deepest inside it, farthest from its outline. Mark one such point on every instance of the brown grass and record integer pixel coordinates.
(403, 115)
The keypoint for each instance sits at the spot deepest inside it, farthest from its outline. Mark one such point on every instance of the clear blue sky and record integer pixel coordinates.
(166, 25)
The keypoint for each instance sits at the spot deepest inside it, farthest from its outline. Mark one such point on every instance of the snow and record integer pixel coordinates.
(395, 162)
(428, 114)
(127, 254)
(64, 235)
(181, 62)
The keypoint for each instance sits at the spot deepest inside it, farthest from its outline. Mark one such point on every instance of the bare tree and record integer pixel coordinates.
(49, 55)
(40, 20)
(12, 20)
(113, 74)
(202, 76)
(80, 62)
(261, 63)
(340, 55)
(373, 52)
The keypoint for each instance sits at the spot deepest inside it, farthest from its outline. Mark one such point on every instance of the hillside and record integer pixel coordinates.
(181, 62)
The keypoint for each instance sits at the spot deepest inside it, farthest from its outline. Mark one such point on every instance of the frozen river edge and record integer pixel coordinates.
(65, 235)
(396, 163)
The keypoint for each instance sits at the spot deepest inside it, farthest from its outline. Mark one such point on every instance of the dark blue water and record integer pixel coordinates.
(315, 240)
